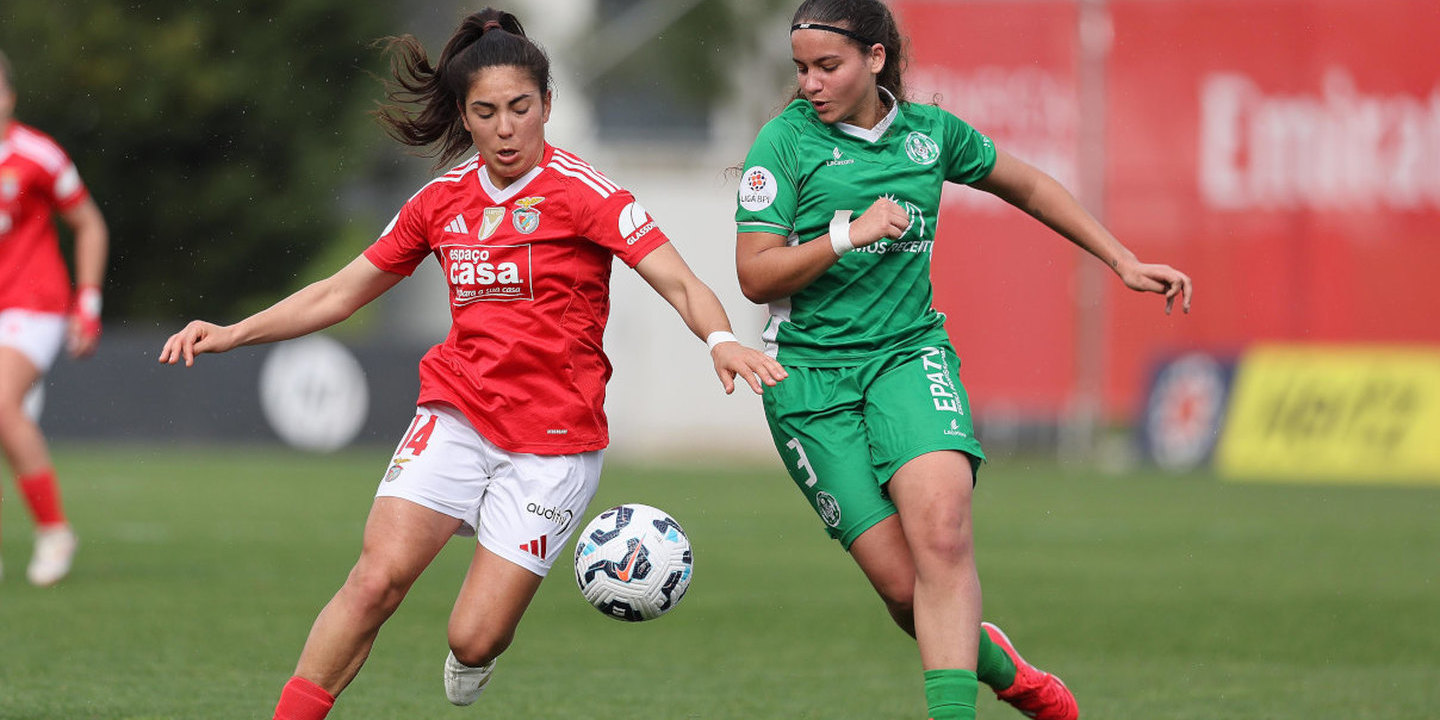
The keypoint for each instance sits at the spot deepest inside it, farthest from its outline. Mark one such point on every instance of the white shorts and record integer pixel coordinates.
(37, 335)
(520, 506)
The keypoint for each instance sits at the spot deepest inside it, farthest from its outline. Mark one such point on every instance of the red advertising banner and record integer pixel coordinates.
(1004, 281)
(1286, 154)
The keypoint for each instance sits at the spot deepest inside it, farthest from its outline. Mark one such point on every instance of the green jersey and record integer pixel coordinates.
(801, 172)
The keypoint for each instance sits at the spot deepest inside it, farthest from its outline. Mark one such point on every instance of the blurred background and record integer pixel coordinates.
(1285, 154)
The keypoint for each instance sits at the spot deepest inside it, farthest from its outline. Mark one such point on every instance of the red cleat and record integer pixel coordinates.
(1036, 693)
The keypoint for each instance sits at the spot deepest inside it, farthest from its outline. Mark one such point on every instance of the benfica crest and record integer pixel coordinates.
(525, 217)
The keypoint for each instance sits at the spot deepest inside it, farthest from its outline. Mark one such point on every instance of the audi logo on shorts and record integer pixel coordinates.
(559, 516)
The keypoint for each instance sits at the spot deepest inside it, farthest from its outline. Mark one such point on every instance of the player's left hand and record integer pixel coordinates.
(1157, 278)
(82, 336)
(754, 367)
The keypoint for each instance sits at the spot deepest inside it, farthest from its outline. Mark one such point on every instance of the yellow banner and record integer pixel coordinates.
(1333, 413)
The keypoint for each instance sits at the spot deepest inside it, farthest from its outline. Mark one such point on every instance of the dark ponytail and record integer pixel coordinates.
(489, 38)
(870, 19)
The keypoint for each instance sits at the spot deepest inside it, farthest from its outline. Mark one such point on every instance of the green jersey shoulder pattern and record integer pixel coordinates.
(800, 172)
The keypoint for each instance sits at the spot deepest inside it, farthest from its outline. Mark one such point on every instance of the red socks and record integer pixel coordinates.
(42, 494)
(303, 700)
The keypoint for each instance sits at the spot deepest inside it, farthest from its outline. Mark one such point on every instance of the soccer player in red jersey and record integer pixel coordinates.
(39, 312)
(506, 443)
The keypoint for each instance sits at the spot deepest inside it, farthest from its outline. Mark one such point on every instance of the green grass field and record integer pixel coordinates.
(1153, 596)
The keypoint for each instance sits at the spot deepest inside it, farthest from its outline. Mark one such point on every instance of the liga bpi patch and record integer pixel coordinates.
(488, 272)
(757, 189)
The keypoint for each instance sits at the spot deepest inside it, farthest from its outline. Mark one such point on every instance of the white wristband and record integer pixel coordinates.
(840, 233)
(720, 336)
(87, 301)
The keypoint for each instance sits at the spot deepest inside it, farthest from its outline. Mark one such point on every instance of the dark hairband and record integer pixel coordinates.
(867, 42)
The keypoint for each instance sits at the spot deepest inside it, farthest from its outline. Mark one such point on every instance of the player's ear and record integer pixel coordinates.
(545, 103)
(876, 58)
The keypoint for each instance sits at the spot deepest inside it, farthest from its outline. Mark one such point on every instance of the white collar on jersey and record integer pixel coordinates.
(873, 134)
(511, 190)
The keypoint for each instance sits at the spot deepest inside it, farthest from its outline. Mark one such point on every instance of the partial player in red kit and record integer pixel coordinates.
(507, 440)
(39, 312)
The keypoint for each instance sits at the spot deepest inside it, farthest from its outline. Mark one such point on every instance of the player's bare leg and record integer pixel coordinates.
(401, 539)
(29, 459)
(20, 436)
(932, 494)
(491, 602)
(884, 556)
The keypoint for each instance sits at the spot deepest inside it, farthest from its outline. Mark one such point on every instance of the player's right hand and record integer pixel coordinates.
(197, 337)
(883, 219)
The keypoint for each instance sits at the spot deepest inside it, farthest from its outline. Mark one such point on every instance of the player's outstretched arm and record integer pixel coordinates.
(1044, 198)
(314, 307)
(702, 312)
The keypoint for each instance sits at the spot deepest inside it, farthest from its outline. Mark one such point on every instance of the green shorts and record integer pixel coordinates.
(843, 432)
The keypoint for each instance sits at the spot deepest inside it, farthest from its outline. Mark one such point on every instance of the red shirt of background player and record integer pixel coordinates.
(36, 179)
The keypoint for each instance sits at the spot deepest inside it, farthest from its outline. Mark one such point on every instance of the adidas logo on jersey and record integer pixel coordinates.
(457, 226)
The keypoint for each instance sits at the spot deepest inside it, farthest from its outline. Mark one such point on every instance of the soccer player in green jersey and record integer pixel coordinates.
(838, 204)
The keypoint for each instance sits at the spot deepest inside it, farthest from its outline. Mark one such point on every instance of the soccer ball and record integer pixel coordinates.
(633, 562)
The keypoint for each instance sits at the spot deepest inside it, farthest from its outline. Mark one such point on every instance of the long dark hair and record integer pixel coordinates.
(870, 19)
(488, 38)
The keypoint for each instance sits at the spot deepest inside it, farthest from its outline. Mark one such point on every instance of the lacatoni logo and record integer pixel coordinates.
(757, 189)
(559, 516)
(635, 223)
(487, 272)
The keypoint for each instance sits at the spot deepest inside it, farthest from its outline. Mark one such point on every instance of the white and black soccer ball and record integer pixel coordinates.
(633, 562)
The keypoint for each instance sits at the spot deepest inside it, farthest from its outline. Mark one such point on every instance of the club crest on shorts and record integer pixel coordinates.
(921, 148)
(394, 471)
(525, 217)
(490, 221)
(829, 508)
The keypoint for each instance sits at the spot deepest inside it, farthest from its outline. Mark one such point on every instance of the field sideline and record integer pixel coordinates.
(1154, 596)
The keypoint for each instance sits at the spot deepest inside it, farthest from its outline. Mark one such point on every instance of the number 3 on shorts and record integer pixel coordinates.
(802, 462)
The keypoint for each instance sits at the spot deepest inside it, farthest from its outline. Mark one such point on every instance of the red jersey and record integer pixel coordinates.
(36, 179)
(529, 274)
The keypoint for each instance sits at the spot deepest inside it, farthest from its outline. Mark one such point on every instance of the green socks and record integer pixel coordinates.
(950, 694)
(994, 666)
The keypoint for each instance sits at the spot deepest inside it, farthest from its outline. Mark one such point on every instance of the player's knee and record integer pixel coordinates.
(942, 546)
(898, 594)
(375, 591)
(480, 648)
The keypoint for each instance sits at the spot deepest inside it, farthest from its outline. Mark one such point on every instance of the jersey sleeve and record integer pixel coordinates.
(766, 199)
(969, 154)
(403, 245)
(618, 223)
(68, 190)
